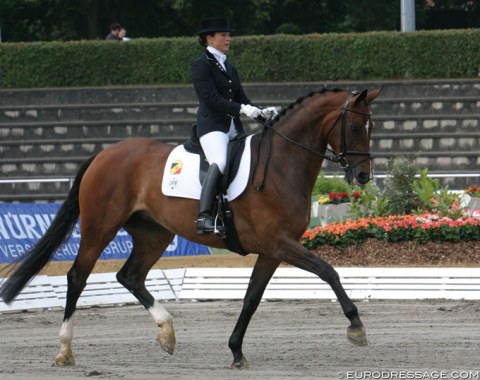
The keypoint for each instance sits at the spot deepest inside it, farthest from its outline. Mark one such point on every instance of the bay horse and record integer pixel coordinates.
(121, 187)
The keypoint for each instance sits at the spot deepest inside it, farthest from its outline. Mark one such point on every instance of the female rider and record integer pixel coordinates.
(221, 100)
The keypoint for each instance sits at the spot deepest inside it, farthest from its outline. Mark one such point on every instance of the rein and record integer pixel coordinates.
(340, 159)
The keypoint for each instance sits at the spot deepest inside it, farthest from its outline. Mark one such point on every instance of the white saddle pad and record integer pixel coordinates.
(180, 178)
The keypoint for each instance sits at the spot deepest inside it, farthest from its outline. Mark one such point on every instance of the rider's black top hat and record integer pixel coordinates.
(212, 25)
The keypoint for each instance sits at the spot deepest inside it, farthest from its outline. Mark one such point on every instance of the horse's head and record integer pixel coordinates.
(349, 136)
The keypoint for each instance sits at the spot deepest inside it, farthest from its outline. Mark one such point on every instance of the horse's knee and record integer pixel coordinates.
(72, 275)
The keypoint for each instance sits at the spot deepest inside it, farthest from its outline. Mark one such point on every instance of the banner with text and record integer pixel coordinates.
(22, 224)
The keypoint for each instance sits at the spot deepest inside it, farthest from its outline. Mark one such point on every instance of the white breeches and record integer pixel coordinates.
(214, 144)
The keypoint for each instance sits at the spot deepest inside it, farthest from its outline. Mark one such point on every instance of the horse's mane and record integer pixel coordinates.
(301, 99)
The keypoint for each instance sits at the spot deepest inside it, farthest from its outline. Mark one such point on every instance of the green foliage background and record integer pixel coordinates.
(272, 58)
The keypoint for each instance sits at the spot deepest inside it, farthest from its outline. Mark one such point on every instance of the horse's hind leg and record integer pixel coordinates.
(149, 242)
(262, 273)
(91, 246)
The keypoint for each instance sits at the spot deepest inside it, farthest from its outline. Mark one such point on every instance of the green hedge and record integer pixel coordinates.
(277, 58)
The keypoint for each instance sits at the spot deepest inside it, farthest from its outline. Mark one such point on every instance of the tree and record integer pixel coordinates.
(48, 20)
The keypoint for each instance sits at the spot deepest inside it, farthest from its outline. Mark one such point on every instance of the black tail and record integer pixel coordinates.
(28, 266)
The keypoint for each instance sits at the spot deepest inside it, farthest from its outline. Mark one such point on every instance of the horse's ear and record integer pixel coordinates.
(368, 96)
(360, 98)
(372, 95)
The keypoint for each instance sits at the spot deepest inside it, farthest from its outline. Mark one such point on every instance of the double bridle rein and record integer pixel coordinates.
(341, 158)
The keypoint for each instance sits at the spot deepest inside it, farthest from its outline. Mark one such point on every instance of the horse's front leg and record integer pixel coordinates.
(262, 273)
(295, 254)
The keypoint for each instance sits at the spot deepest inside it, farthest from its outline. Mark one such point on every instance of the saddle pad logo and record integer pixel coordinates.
(176, 167)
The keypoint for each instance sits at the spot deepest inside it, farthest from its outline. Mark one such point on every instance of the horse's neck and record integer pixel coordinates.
(307, 153)
(290, 163)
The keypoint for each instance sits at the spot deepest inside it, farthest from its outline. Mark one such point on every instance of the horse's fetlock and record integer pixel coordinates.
(353, 316)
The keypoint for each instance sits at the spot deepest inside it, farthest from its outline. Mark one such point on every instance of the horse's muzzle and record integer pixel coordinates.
(362, 178)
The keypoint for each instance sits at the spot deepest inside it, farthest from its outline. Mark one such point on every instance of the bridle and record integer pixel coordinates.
(341, 158)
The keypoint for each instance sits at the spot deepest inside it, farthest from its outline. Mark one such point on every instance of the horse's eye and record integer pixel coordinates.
(356, 128)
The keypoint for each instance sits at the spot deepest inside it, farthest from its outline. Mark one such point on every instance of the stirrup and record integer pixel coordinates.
(220, 229)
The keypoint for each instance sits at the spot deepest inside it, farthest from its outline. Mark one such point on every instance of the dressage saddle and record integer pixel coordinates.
(235, 150)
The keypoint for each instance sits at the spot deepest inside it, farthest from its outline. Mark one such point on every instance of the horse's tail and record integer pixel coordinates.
(28, 266)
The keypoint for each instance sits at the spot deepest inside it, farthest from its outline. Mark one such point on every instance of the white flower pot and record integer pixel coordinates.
(328, 213)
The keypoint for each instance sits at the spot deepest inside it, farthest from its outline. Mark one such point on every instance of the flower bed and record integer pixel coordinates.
(395, 228)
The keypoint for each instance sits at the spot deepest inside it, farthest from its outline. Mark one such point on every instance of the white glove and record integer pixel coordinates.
(250, 111)
(270, 112)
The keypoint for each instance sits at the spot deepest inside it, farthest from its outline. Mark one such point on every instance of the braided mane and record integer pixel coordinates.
(301, 99)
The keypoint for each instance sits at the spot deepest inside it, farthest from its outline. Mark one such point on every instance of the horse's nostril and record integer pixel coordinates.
(363, 177)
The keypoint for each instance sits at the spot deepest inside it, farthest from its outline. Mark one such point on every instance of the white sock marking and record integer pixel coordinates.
(159, 314)
(66, 331)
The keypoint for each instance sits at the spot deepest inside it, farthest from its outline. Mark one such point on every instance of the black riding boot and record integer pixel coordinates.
(205, 222)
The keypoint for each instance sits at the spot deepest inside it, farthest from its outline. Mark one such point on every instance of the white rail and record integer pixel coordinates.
(101, 289)
(359, 283)
(231, 283)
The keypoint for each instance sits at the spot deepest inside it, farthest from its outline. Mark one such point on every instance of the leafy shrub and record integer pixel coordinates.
(436, 199)
(399, 194)
(365, 56)
(368, 202)
(326, 186)
(405, 194)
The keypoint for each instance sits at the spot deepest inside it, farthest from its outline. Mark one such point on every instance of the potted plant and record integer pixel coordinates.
(330, 200)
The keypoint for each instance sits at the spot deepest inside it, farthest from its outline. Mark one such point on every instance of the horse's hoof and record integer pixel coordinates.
(239, 365)
(166, 337)
(62, 361)
(358, 336)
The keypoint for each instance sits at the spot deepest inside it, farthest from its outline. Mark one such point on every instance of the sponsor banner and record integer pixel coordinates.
(22, 224)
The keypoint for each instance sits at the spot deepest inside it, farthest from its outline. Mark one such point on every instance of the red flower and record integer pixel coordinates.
(333, 196)
(473, 191)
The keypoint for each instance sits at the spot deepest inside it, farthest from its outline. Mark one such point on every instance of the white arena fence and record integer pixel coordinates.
(231, 283)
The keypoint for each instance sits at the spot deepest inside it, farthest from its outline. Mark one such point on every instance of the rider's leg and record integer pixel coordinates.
(214, 145)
